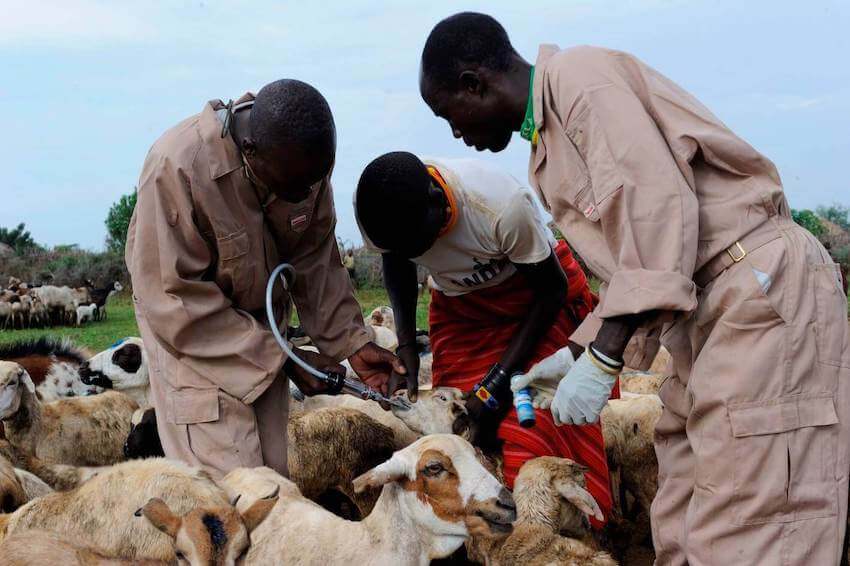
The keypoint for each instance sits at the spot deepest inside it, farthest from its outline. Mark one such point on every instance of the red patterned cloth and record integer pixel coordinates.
(470, 332)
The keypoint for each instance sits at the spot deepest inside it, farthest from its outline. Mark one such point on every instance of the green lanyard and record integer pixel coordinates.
(528, 131)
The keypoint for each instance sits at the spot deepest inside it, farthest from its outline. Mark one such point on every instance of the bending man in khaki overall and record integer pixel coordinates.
(689, 228)
(224, 197)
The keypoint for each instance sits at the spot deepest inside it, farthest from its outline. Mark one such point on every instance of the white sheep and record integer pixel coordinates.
(123, 367)
(86, 313)
(84, 431)
(430, 490)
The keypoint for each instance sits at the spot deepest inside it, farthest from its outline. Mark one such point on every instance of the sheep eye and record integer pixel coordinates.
(434, 468)
(180, 555)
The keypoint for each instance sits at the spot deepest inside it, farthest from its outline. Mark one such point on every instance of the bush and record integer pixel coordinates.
(809, 220)
(64, 265)
(118, 221)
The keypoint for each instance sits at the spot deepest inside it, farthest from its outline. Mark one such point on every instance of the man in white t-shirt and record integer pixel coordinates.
(507, 294)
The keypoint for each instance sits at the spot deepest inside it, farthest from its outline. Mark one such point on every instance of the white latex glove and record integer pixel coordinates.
(544, 376)
(582, 394)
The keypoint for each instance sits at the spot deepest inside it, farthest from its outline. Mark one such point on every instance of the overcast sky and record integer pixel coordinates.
(86, 87)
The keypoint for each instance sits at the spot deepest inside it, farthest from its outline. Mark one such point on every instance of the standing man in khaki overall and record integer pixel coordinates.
(224, 197)
(689, 228)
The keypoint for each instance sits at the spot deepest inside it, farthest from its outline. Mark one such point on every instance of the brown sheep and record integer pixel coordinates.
(100, 511)
(83, 431)
(550, 497)
(217, 536)
(12, 493)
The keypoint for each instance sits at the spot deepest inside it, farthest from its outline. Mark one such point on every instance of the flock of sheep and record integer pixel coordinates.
(24, 305)
(83, 480)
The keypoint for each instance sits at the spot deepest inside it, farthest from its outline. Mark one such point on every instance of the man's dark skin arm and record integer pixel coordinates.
(549, 287)
(402, 287)
(613, 335)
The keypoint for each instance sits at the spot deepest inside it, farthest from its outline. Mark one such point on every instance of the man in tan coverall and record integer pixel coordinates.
(224, 197)
(690, 230)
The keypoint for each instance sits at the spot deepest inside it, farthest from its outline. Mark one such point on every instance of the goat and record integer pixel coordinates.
(86, 313)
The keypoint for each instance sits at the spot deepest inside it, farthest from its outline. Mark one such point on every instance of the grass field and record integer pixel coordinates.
(122, 322)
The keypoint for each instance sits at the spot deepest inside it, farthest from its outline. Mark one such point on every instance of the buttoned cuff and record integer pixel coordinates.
(640, 290)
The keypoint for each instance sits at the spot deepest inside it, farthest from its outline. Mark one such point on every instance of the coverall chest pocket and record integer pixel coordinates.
(586, 133)
(785, 459)
(831, 328)
(235, 264)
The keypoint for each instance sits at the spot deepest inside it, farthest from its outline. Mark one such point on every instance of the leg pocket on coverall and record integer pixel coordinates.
(221, 430)
(785, 453)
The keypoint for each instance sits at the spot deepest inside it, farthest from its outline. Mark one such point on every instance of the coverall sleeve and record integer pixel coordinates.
(188, 313)
(322, 293)
(647, 211)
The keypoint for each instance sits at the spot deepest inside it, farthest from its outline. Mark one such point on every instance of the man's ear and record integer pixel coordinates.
(161, 517)
(470, 81)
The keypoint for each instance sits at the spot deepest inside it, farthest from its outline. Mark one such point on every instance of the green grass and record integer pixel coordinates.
(121, 323)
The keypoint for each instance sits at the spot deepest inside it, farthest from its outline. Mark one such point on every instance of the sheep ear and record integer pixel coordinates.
(259, 510)
(161, 517)
(392, 470)
(581, 498)
(27, 381)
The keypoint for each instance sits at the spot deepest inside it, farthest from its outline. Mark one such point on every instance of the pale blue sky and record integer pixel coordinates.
(86, 87)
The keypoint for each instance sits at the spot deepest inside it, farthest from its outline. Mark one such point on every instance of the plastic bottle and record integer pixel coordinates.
(524, 408)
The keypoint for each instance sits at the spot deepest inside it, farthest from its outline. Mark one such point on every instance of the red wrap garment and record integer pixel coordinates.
(470, 332)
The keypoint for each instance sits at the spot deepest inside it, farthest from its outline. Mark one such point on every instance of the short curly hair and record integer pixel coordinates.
(465, 38)
(289, 111)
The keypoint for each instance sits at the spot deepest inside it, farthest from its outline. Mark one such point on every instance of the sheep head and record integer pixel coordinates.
(444, 489)
(13, 379)
(551, 491)
(439, 411)
(122, 366)
(217, 536)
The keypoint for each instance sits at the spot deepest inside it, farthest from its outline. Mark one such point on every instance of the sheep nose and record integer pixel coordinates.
(506, 500)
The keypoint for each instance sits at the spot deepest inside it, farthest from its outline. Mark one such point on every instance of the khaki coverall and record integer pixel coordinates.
(680, 216)
(199, 252)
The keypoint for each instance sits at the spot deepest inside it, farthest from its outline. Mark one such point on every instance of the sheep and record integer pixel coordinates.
(122, 367)
(382, 316)
(34, 486)
(85, 431)
(58, 477)
(203, 536)
(628, 427)
(81, 295)
(550, 499)
(86, 313)
(438, 411)
(327, 449)
(5, 313)
(12, 493)
(100, 512)
(642, 383)
(402, 434)
(53, 365)
(58, 300)
(430, 490)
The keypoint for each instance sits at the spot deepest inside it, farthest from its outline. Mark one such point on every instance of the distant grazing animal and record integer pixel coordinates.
(100, 296)
(53, 365)
(86, 313)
